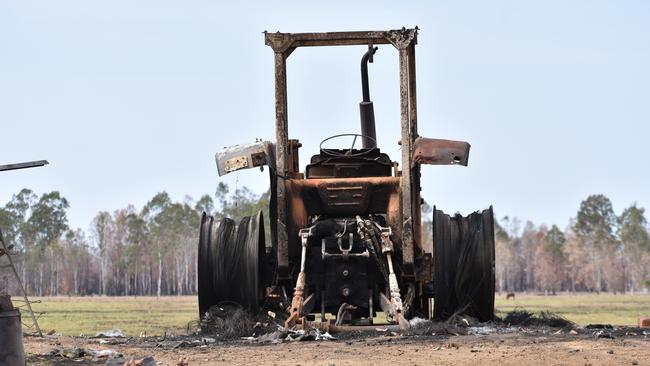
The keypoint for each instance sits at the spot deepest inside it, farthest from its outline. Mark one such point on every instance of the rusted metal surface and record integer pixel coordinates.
(296, 303)
(341, 266)
(293, 159)
(283, 44)
(331, 327)
(281, 136)
(415, 170)
(440, 152)
(287, 42)
(406, 183)
(644, 322)
(342, 196)
(296, 309)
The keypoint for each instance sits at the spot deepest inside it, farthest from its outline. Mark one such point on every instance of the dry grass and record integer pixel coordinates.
(132, 315)
(582, 309)
(155, 316)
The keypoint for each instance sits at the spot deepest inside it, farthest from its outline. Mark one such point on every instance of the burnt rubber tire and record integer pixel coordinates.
(233, 263)
(463, 250)
(205, 285)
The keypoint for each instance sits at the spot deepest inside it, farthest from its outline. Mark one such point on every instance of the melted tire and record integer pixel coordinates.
(463, 252)
(205, 285)
(232, 260)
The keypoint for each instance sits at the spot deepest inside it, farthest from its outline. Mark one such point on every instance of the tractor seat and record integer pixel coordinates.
(371, 163)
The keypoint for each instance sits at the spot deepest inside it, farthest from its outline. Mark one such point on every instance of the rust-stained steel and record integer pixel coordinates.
(347, 233)
(295, 311)
(440, 152)
(283, 44)
(281, 135)
(408, 208)
(331, 327)
(287, 42)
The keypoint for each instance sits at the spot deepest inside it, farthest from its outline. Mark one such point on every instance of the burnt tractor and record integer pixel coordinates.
(346, 232)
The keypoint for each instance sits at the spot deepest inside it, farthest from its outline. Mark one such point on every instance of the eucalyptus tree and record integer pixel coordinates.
(633, 233)
(595, 226)
(43, 229)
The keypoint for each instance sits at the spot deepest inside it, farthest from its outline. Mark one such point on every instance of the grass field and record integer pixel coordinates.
(155, 316)
(132, 315)
(583, 309)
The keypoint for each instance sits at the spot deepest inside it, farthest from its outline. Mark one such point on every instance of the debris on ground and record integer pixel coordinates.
(113, 333)
(527, 318)
(101, 353)
(231, 321)
(599, 326)
(291, 335)
(68, 352)
(604, 334)
(308, 335)
(79, 353)
(147, 361)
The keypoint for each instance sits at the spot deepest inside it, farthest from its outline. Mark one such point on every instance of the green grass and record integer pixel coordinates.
(132, 315)
(582, 309)
(155, 316)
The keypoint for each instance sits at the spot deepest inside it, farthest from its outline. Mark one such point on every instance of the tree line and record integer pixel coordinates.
(147, 251)
(597, 251)
(153, 250)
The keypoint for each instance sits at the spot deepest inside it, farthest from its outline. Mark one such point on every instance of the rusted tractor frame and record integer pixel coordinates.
(404, 40)
(359, 199)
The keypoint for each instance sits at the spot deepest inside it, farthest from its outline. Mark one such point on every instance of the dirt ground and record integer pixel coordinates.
(516, 347)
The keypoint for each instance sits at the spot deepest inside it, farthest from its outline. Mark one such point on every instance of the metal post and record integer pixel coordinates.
(405, 182)
(282, 140)
(415, 168)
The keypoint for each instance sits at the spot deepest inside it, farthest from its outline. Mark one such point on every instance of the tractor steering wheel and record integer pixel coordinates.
(348, 153)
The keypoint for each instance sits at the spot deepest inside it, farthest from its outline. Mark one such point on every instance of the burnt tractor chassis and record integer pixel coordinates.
(346, 235)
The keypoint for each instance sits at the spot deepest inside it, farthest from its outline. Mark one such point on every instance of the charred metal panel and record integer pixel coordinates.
(440, 152)
(287, 42)
(245, 156)
(341, 197)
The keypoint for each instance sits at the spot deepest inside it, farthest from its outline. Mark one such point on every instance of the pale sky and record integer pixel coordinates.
(129, 98)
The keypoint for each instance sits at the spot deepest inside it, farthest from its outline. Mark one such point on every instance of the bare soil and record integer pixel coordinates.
(517, 346)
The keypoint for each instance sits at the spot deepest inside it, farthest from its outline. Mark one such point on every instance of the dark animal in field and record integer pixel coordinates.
(510, 295)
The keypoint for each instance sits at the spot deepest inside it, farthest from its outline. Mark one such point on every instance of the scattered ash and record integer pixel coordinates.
(526, 318)
(227, 322)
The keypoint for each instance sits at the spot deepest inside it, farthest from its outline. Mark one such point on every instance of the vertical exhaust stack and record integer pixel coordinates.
(366, 109)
